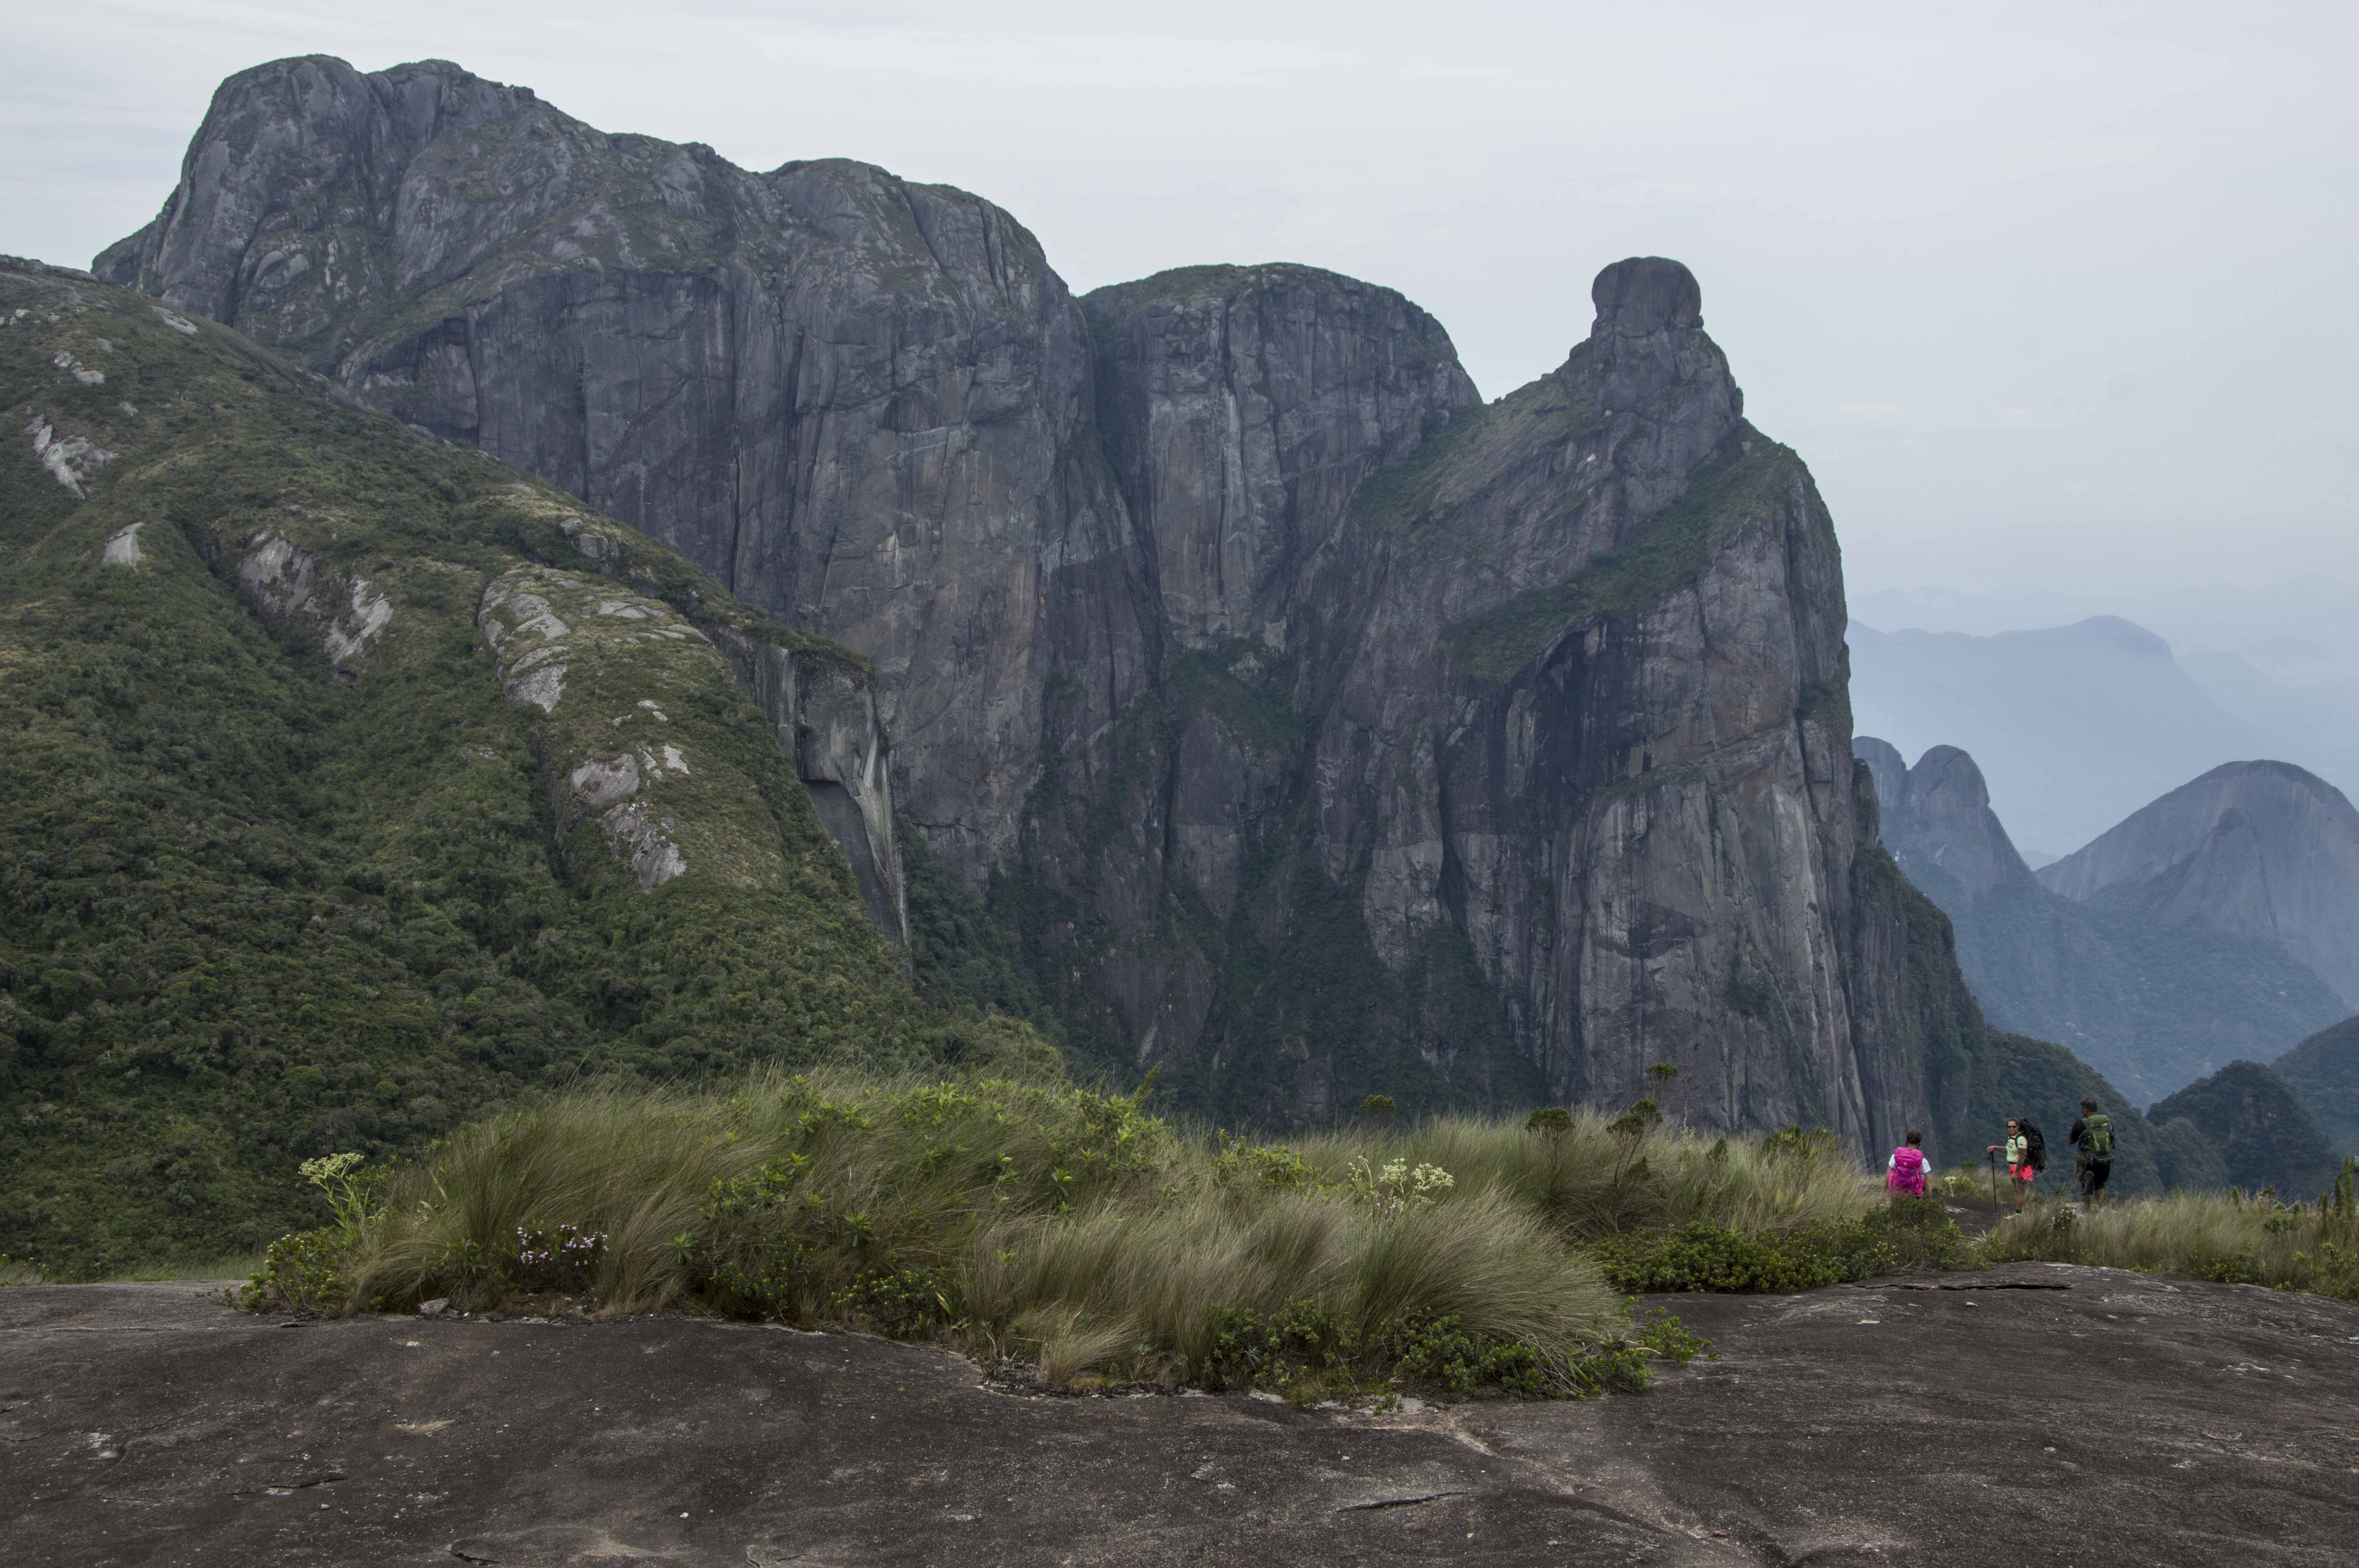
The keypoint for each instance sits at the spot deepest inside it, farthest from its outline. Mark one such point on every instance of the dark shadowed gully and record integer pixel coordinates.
(2121, 1420)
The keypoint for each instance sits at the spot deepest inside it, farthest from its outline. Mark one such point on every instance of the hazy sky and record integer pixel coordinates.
(2050, 296)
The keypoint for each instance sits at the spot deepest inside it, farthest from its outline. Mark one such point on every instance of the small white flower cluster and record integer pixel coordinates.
(570, 1247)
(1397, 1187)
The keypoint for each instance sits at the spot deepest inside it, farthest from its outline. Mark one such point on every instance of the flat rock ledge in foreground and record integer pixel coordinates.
(2122, 1420)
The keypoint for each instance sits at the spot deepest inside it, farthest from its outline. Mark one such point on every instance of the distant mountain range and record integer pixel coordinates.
(2152, 997)
(2076, 727)
(2250, 849)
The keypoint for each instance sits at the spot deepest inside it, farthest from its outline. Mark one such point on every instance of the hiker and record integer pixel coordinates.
(1904, 1172)
(2092, 1135)
(2019, 1167)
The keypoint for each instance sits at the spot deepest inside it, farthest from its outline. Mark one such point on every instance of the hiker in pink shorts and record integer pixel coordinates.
(1904, 1172)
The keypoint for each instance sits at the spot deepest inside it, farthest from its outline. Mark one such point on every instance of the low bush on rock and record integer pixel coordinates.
(1909, 1235)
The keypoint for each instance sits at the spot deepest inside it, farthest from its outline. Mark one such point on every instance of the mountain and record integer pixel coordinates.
(2254, 1124)
(2075, 727)
(2260, 849)
(358, 784)
(2324, 1073)
(2315, 727)
(1297, 721)
(2153, 1004)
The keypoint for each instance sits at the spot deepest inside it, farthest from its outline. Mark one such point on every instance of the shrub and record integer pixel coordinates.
(309, 1271)
(1911, 1234)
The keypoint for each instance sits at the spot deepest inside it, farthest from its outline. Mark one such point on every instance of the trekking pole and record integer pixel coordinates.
(1993, 1158)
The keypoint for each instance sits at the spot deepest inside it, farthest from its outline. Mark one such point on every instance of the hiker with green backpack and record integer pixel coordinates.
(2094, 1136)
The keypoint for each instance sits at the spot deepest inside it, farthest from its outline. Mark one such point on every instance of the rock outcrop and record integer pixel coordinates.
(2152, 1004)
(2259, 849)
(1309, 728)
(452, 1440)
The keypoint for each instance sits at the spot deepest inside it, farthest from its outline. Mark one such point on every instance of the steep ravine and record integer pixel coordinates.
(1305, 725)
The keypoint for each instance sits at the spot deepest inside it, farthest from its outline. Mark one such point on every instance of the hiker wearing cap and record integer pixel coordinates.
(2019, 1169)
(2092, 1135)
(1904, 1172)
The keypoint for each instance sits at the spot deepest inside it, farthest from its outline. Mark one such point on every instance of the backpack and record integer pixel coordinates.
(2035, 1145)
(2100, 1136)
(1908, 1172)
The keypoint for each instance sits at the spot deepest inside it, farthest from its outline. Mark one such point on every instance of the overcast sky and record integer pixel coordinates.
(2048, 296)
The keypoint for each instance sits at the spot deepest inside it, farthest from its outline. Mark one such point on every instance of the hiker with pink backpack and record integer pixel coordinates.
(1904, 1172)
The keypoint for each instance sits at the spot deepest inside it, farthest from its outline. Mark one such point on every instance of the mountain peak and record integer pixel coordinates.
(2262, 849)
(2121, 637)
(1643, 294)
(1946, 779)
(1938, 822)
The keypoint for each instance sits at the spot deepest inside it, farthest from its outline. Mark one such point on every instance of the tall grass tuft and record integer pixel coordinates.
(1591, 1176)
(2223, 1237)
(1065, 1228)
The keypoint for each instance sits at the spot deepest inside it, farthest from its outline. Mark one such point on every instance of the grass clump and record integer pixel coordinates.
(1589, 1175)
(1074, 1233)
(2225, 1236)
(1066, 1229)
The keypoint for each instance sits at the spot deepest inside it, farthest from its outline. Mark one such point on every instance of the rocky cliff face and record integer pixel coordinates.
(862, 404)
(1579, 727)
(2153, 1004)
(2260, 849)
(1241, 406)
(1308, 725)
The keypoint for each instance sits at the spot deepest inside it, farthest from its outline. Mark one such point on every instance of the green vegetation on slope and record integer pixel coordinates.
(2261, 1134)
(271, 889)
(2324, 1073)
(1751, 478)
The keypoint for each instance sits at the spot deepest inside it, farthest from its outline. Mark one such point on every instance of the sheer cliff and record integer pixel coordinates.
(861, 402)
(1268, 706)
